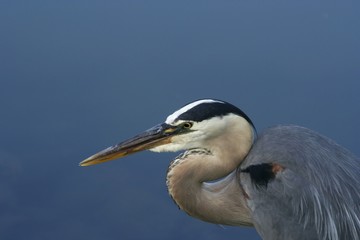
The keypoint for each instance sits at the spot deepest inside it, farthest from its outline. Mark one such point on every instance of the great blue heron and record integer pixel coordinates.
(290, 182)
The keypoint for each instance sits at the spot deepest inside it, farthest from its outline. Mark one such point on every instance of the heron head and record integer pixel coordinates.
(192, 126)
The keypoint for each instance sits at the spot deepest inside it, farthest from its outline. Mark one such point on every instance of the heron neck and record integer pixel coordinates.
(220, 202)
(203, 183)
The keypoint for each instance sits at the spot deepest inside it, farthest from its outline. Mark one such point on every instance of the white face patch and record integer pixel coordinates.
(170, 119)
(203, 132)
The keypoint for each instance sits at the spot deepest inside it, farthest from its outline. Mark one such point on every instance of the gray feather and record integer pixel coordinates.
(316, 196)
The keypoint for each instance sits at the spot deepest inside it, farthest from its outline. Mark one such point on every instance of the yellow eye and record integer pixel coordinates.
(187, 125)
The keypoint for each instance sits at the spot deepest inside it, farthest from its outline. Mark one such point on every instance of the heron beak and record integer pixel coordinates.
(158, 135)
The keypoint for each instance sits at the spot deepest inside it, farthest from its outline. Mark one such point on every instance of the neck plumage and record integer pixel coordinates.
(203, 181)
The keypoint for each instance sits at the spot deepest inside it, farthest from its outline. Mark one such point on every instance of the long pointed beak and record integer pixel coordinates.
(158, 135)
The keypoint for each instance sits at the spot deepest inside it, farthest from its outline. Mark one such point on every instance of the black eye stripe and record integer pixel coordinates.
(208, 110)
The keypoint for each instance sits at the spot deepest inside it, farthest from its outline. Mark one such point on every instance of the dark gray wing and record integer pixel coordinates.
(302, 185)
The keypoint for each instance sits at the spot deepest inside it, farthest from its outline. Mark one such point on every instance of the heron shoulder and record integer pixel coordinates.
(317, 184)
(296, 145)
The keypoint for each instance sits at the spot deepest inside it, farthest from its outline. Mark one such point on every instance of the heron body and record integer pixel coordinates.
(290, 182)
(315, 195)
